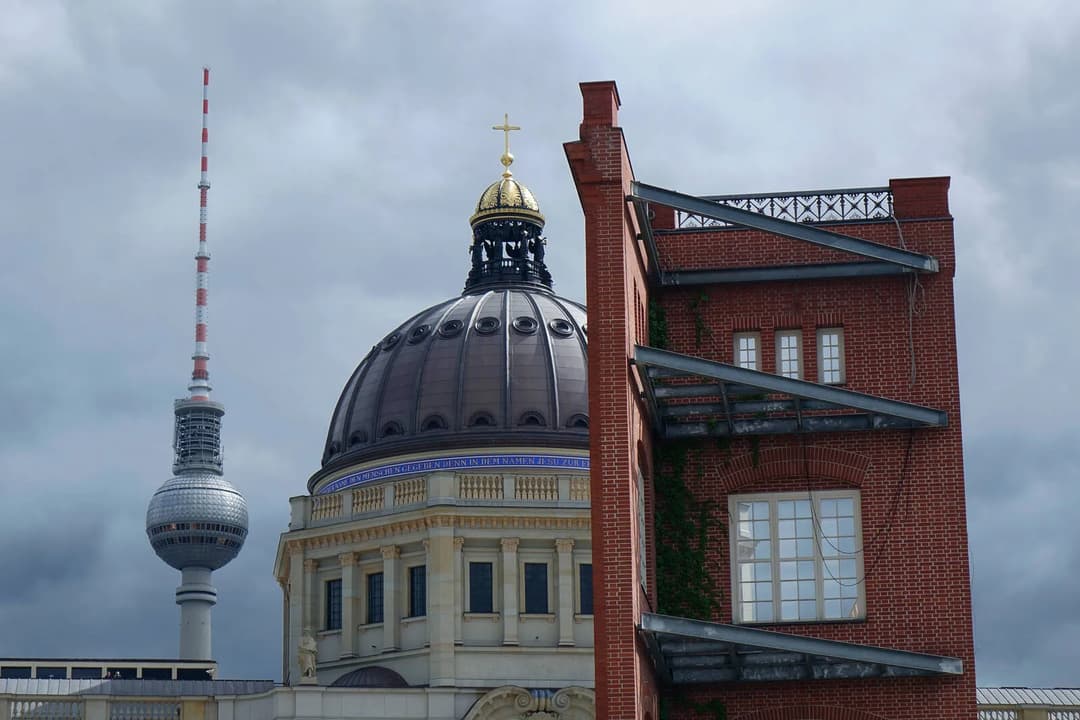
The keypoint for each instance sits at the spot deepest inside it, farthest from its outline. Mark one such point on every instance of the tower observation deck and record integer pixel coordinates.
(197, 521)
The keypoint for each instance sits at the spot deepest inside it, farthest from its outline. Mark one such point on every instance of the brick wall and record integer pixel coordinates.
(899, 343)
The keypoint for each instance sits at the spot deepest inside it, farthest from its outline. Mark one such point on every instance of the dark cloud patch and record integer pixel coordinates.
(1025, 567)
(45, 561)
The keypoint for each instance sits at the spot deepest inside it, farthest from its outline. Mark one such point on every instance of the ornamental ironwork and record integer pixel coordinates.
(811, 207)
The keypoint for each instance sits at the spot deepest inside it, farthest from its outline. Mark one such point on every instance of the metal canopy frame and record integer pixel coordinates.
(695, 651)
(880, 259)
(694, 397)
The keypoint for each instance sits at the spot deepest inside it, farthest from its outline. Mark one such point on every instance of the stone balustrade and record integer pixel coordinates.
(378, 498)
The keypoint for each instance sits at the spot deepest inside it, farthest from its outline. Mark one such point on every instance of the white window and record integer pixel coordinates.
(747, 350)
(830, 355)
(789, 354)
(797, 557)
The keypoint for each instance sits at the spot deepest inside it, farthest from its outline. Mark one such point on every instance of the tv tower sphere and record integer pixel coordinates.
(197, 520)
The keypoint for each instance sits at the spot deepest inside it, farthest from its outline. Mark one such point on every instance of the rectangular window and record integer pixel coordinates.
(830, 343)
(536, 588)
(418, 591)
(585, 589)
(333, 605)
(375, 598)
(789, 354)
(480, 597)
(747, 349)
(797, 557)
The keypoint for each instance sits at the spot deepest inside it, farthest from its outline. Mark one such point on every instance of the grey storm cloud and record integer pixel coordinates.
(349, 143)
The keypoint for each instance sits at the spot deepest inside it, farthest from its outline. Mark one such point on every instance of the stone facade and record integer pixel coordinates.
(437, 524)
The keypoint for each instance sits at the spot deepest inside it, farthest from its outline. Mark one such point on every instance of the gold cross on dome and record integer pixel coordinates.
(506, 127)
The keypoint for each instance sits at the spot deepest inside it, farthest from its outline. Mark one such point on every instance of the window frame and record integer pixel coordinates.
(842, 365)
(579, 596)
(749, 335)
(328, 596)
(368, 597)
(820, 556)
(546, 562)
(799, 369)
(410, 599)
(469, 609)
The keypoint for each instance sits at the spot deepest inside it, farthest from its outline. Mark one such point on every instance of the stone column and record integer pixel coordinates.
(442, 604)
(391, 555)
(565, 547)
(295, 612)
(510, 590)
(311, 615)
(348, 604)
(459, 589)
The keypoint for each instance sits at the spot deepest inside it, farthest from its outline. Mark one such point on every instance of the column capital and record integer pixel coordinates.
(564, 545)
(347, 558)
(458, 542)
(510, 544)
(311, 565)
(426, 543)
(390, 552)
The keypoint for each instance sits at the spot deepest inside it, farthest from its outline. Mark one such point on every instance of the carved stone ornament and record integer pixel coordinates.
(307, 652)
(514, 703)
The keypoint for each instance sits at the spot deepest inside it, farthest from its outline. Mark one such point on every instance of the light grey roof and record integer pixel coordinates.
(135, 688)
(689, 651)
(1028, 696)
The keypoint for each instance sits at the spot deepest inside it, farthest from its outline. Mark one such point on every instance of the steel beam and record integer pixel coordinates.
(787, 426)
(769, 383)
(744, 407)
(656, 273)
(783, 273)
(642, 193)
(666, 625)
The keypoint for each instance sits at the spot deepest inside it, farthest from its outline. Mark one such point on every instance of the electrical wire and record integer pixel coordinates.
(882, 530)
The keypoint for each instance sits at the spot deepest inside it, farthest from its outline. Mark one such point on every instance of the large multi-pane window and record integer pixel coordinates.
(418, 591)
(797, 557)
(747, 350)
(789, 354)
(375, 597)
(830, 350)
(480, 587)
(585, 603)
(536, 588)
(333, 604)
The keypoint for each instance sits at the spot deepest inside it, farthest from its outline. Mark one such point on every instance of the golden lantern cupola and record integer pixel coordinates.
(507, 224)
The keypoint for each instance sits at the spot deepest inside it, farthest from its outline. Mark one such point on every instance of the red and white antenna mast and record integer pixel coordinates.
(199, 388)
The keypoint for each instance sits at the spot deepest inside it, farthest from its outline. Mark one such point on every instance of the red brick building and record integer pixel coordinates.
(777, 477)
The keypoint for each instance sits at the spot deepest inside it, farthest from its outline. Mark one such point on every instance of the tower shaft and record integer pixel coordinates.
(195, 596)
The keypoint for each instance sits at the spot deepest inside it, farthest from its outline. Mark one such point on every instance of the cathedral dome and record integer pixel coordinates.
(503, 365)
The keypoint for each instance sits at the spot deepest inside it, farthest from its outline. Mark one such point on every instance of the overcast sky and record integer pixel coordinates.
(349, 142)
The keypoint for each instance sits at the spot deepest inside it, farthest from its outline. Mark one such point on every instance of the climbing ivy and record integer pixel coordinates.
(685, 581)
(677, 700)
(701, 330)
(658, 330)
